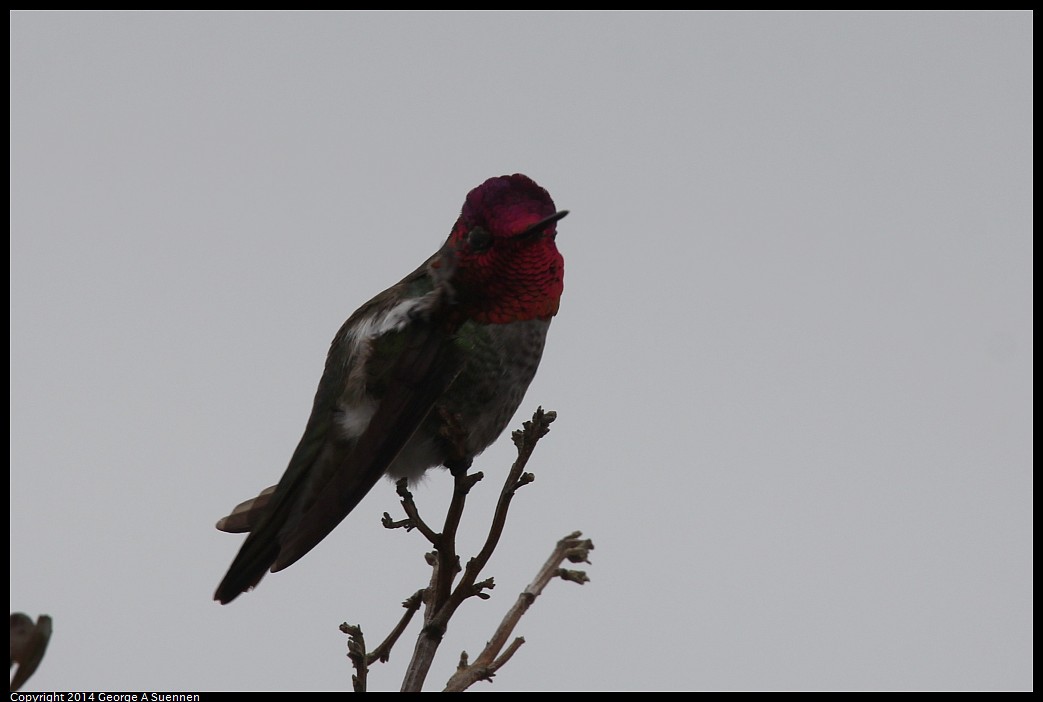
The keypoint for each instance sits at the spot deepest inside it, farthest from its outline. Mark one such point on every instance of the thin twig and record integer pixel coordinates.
(383, 652)
(490, 660)
(360, 659)
(402, 487)
(357, 655)
(389, 523)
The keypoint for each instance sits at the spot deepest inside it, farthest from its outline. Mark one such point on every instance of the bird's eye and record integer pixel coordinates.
(479, 239)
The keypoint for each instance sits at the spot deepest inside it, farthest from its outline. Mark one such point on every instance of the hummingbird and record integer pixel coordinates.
(427, 373)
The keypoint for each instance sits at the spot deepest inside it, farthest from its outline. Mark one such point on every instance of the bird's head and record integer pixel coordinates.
(507, 266)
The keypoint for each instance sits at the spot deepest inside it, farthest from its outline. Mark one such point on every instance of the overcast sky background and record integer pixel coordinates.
(793, 362)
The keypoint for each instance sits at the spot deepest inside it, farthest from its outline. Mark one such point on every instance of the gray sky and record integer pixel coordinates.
(793, 362)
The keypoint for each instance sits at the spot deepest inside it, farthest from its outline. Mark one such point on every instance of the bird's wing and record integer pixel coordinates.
(331, 472)
(425, 369)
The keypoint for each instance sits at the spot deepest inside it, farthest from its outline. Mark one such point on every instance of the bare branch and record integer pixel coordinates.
(490, 659)
(357, 643)
(441, 597)
(383, 652)
(413, 516)
(444, 601)
(389, 523)
(357, 655)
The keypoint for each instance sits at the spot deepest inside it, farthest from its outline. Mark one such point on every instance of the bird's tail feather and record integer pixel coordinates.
(247, 515)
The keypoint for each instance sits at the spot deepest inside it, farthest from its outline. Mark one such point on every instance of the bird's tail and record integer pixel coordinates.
(258, 552)
(282, 530)
(248, 514)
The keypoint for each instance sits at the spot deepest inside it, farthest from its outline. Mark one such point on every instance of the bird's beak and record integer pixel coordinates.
(541, 225)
